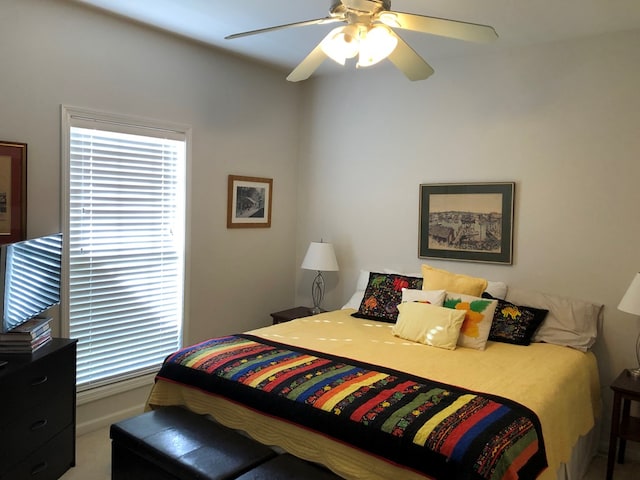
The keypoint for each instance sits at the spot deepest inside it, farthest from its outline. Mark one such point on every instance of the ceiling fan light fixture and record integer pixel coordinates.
(340, 44)
(390, 19)
(377, 45)
(370, 34)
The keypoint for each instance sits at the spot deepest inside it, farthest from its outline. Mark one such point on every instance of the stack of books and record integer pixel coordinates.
(26, 337)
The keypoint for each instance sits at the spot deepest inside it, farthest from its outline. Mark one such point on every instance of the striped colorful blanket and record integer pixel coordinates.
(440, 430)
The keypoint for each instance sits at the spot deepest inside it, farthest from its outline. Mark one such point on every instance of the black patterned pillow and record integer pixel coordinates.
(383, 294)
(514, 323)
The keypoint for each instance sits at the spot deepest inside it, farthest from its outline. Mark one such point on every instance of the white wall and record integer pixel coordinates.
(561, 120)
(244, 120)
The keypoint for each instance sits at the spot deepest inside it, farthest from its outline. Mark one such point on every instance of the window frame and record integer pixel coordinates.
(71, 116)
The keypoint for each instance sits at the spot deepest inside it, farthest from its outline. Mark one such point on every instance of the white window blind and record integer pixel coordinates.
(126, 250)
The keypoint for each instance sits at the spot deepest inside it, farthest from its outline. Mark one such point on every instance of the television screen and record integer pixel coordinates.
(30, 278)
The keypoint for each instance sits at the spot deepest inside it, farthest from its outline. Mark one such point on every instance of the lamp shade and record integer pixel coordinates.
(630, 303)
(320, 257)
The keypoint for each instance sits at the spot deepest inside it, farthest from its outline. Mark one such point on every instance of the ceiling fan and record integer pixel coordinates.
(369, 34)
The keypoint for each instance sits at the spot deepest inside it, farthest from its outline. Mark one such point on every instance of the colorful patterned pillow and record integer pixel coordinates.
(477, 322)
(383, 294)
(514, 323)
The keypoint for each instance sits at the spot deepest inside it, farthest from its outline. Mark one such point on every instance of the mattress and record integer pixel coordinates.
(559, 384)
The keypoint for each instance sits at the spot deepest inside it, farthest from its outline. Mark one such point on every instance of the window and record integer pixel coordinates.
(124, 231)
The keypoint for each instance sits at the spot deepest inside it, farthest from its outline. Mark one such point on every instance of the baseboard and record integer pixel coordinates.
(105, 421)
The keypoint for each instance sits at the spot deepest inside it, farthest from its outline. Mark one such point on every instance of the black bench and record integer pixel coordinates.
(288, 467)
(175, 444)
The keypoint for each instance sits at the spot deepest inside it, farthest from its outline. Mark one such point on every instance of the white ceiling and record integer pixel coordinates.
(518, 23)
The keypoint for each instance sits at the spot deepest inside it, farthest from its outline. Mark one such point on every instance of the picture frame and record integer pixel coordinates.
(467, 221)
(249, 202)
(13, 191)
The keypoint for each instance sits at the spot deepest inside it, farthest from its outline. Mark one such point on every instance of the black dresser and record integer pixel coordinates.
(38, 412)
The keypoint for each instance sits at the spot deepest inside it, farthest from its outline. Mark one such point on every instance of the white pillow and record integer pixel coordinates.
(414, 274)
(361, 285)
(496, 289)
(570, 322)
(355, 300)
(429, 324)
(363, 280)
(477, 323)
(434, 297)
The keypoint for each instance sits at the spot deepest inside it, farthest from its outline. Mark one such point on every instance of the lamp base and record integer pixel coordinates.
(634, 372)
(317, 293)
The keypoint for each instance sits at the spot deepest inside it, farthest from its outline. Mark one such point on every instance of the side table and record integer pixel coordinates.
(290, 314)
(626, 389)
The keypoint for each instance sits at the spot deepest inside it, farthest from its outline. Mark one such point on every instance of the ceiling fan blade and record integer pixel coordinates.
(409, 62)
(438, 26)
(316, 21)
(309, 65)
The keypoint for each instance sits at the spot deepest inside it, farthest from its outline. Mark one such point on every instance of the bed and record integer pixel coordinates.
(554, 387)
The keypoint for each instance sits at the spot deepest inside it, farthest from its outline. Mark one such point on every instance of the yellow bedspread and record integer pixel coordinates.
(558, 383)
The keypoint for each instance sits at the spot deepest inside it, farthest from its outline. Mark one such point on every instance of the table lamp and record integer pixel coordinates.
(630, 303)
(320, 257)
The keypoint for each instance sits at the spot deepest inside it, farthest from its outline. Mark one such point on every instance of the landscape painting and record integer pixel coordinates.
(249, 202)
(472, 222)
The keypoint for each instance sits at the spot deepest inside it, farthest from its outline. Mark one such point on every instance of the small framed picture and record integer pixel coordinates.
(13, 191)
(467, 221)
(249, 202)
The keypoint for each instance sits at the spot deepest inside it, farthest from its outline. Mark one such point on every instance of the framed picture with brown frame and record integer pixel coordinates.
(13, 191)
(467, 221)
(249, 202)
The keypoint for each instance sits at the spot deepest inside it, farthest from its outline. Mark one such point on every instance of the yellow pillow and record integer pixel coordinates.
(436, 279)
(429, 324)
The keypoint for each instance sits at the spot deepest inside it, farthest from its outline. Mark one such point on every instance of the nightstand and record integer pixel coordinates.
(623, 426)
(291, 314)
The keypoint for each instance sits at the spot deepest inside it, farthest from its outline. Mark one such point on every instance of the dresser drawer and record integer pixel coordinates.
(37, 412)
(37, 381)
(30, 429)
(49, 462)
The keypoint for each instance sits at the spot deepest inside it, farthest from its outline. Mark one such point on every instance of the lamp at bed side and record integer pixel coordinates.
(321, 258)
(630, 303)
